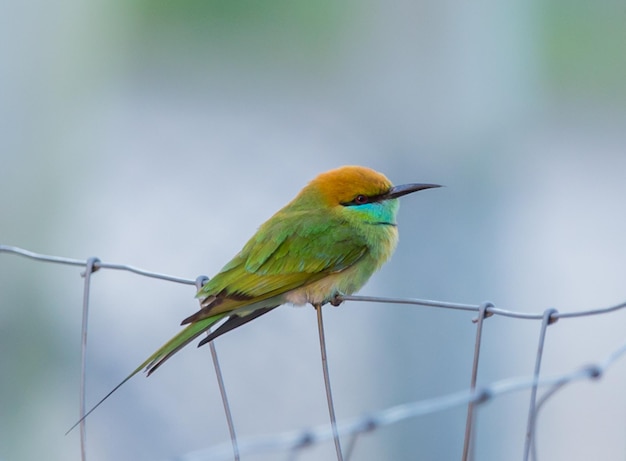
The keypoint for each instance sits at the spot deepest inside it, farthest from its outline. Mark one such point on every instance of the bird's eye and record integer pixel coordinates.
(361, 199)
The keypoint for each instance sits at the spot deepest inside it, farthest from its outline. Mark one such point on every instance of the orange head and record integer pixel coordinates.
(353, 186)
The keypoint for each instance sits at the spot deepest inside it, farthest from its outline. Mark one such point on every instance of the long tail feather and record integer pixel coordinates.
(178, 342)
(234, 321)
(160, 356)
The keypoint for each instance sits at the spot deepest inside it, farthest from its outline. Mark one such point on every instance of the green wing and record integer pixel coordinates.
(288, 251)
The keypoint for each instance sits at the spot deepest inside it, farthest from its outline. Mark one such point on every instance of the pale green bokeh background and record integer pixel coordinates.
(161, 134)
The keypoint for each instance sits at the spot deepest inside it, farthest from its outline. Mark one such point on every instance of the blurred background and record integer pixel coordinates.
(161, 134)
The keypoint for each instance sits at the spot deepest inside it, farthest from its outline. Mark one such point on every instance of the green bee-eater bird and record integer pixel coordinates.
(326, 242)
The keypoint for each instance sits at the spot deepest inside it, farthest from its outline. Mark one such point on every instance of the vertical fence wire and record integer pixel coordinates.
(90, 268)
(329, 393)
(200, 281)
(547, 320)
(468, 442)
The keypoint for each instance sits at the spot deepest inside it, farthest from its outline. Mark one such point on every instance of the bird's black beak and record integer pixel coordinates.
(404, 189)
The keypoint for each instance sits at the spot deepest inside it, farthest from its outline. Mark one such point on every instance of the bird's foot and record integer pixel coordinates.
(337, 299)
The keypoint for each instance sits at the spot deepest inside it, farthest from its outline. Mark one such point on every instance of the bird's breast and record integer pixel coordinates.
(382, 241)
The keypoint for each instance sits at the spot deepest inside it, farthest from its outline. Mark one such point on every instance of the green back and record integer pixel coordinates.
(290, 250)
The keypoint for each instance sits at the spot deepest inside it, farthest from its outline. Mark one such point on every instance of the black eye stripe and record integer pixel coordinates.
(363, 199)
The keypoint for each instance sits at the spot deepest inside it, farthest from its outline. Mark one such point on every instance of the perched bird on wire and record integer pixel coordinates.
(325, 243)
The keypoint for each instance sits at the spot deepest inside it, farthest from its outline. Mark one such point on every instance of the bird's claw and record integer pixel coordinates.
(337, 300)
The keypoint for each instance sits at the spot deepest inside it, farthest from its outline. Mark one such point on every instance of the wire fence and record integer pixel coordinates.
(293, 443)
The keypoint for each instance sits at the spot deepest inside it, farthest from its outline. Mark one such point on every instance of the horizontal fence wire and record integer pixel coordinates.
(96, 265)
(376, 299)
(295, 441)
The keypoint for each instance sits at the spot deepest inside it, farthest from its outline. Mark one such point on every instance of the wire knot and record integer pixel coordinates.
(91, 266)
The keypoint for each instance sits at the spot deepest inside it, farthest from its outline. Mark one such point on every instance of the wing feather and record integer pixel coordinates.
(289, 251)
